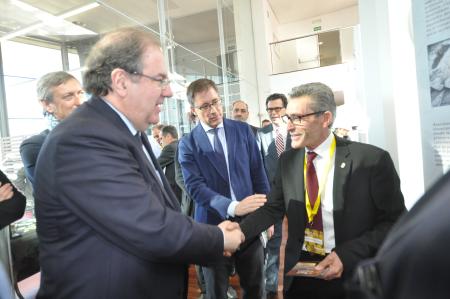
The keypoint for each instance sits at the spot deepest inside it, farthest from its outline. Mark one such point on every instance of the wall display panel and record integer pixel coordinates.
(432, 44)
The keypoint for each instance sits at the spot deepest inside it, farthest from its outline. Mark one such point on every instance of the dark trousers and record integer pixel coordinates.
(314, 288)
(249, 267)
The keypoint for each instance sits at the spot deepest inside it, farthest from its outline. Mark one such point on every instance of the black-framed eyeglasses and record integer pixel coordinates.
(162, 83)
(274, 109)
(207, 106)
(296, 120)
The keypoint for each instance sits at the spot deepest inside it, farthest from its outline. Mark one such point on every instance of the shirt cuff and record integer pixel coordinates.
(232, 207)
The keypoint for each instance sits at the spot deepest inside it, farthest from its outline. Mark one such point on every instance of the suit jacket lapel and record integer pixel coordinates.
(230, 135)
(271, 147)
(342, 168)
(168, 196)
(106, 111)
(295, 174)
(203, 143)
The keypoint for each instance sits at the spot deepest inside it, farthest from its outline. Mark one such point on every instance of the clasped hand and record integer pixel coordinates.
(232, 237)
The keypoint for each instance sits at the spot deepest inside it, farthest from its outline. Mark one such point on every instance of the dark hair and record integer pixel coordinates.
(321, 95)
(276, 96)
(171, 130)
(45, 85)
(198, 86)
(158, 126)
(119, 49)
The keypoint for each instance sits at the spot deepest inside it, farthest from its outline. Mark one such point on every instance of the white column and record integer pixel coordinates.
(389, 89)
(252, 48)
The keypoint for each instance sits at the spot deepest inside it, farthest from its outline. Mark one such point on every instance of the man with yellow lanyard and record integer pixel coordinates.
(340, 197)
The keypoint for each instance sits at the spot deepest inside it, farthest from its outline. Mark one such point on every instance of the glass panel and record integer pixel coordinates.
(312, 51)
(20, 72)
(329, 48)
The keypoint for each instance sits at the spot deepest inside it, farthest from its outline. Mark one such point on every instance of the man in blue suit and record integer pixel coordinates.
(224, 174)
(108, 222)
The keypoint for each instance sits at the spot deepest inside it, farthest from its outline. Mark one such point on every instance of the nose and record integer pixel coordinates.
(290, 126)
(167, 91)
(79, 99)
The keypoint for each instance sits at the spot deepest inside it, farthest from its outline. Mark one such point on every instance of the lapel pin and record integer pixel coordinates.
(342, 164)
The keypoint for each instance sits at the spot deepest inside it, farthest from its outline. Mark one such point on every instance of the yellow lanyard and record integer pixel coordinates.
(313, 211)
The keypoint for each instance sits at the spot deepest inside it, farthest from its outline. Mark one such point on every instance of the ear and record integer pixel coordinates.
(193, 111)
(48, 106)
(328, 118)
(120, 82)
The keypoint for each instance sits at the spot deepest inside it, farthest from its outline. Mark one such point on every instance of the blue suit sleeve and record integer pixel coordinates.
(196, 184)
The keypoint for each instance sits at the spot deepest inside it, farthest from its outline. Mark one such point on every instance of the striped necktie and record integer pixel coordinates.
(279, 142)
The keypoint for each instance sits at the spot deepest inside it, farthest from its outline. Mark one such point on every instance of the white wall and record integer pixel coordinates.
(343, 18)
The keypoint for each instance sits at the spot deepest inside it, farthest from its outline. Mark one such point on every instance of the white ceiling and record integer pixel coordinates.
(288, 11)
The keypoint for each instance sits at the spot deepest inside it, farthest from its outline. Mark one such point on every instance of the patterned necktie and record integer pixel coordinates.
(279, 142)
(312, 185)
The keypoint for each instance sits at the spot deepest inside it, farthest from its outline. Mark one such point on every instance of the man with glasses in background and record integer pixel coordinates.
(108, 222)
(340, 198)
(273, 140)
(224, 174)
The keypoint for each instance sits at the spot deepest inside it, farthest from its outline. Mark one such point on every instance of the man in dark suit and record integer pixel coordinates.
(273, 140)
(169, 139)
(60, 94)
(239, 111)
(224, 174)
(413, 261)
(340, 197)
(108, 223)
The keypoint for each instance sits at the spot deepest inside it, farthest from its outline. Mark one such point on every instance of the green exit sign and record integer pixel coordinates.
(317, 28)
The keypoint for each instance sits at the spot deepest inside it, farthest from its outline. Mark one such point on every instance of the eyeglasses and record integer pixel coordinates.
(296, 120)
(207, 107)
(163, 83)
(274, 109)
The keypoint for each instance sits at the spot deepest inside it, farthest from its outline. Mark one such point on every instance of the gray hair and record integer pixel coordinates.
(321, 95)
(45, 85)
(119, 49)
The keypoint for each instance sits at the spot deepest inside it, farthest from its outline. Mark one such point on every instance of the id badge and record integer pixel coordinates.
(314, 241)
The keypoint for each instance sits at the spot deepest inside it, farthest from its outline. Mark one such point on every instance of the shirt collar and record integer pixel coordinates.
(207, 128)
(323, 149)
(123, 117)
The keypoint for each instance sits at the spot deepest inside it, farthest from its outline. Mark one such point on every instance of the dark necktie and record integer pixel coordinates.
(141, 139)
(218, 150)
(312, 187)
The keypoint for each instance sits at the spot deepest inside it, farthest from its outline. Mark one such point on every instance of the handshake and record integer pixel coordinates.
(232, 237)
